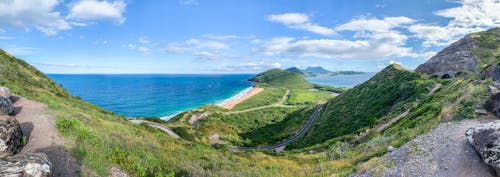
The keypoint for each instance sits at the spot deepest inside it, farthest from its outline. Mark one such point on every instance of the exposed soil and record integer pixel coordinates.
(38, 125)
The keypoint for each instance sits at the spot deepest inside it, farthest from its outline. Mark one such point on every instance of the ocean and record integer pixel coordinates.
(148, 95)
(348, 81)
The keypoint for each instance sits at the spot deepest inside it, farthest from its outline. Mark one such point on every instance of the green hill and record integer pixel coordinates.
(361, 107)
(298, 71)
(281, 78)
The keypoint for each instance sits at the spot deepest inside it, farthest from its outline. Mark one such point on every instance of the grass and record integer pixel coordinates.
(269, 96)
(301, 97)
(282, 78)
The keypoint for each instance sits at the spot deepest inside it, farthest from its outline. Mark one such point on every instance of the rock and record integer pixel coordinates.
(390, 149)
(493, 104)
(492, 89)
(26, 165)
(454, 58)
(10, 136)
(492, 71)
(6, 106)
(485, 140)
(5, 92)
(481, 111)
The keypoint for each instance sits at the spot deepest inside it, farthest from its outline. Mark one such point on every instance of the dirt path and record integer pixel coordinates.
(38, 125)
(443, 152)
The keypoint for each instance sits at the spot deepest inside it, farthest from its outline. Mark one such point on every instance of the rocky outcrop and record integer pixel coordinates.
(492, 72)
(26, 165)
(5, 92)
(6, 106)
(454, 58)
(10, 136)
(493, 104)
(485, 138)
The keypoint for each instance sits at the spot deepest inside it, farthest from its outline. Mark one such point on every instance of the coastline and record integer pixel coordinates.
(230, 103)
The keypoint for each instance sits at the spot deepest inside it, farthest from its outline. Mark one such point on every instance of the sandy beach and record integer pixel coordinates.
(232, 102)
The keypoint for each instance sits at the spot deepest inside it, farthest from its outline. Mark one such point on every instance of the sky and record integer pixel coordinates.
(229, 37)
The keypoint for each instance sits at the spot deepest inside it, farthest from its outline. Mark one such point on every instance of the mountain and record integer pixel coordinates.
(281, 78)
(320, 71)
(475, 53)
(317, 70)
(298, 71)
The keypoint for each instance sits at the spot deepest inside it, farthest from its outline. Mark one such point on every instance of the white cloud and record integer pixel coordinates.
(205, 55)
(376, 45)
(374, 24)
(471, 16)
(97, 10)
(189, 2)
(195, 45)
(301, 22)
(143, 49)
(394, 62)
(221, 37)
(473, 13)
(38, 14)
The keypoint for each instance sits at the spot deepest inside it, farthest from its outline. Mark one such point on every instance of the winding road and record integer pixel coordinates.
(282, 145)
(158, 126)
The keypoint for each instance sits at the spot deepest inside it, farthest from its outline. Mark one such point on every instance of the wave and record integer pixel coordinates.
(235, 97)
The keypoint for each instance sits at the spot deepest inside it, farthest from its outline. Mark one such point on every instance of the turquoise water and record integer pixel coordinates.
(348, 81)
(152, 95)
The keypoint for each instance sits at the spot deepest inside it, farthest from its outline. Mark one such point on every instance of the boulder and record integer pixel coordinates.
(26, 165)
(492, 72)
(10, 136)
(457, 57)
(485, 138)
(6, 106)
(5, 92)
(493, 104)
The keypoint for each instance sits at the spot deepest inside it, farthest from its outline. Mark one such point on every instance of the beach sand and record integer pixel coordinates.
(232, 103)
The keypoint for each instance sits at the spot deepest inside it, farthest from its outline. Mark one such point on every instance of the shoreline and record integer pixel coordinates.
(230, 103)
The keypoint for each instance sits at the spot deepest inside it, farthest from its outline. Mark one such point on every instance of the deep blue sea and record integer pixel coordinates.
(348, 81)
(152, 95)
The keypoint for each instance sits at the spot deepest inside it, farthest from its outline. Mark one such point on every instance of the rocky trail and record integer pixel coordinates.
(443, 152)
(38, 125)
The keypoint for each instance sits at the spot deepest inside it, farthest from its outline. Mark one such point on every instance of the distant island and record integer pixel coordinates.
(320, 71)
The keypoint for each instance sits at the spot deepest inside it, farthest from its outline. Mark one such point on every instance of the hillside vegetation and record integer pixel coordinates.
(281, 78)
(362, 106)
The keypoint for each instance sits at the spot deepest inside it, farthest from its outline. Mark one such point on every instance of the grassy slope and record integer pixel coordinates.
(362, 106)
(282, 78)
(98, 139)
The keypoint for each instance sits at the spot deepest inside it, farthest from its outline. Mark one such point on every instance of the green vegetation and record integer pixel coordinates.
(281, 78)
(362, 106)
(267, 97)
(330, 88)
(301, 97)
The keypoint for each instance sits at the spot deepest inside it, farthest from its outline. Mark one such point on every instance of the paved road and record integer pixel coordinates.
(280, 145)
(158, 126)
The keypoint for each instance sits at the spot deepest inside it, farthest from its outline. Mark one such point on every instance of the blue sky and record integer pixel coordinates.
(228, 36)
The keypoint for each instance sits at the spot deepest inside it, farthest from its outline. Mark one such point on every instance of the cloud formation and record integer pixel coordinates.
(300, 21)
(45, 16)
(193, 45)
(97, 10)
